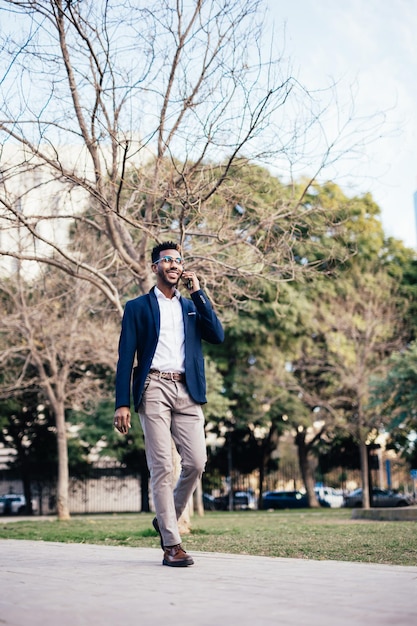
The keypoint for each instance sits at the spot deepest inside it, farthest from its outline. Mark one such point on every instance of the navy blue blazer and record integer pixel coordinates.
(139, 337)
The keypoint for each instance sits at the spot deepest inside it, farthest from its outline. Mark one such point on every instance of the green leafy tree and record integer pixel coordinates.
(250, 365)
(355, 312)
(394, 396)
(406, 275)
(310, 353)
(356, 323)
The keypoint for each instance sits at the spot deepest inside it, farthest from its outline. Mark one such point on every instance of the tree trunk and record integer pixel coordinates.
(365, 475)
(28, 492)
(144, 490)
(261, 480)
(305, 468)
(268, 445)
(198, 499)
(63, 471)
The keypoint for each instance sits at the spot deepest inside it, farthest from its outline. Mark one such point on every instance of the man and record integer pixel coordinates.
(164, 331)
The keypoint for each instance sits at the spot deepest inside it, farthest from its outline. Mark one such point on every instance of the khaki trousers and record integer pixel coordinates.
(167, 411)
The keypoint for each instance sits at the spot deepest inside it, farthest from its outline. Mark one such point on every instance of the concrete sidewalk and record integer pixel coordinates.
(56, 584)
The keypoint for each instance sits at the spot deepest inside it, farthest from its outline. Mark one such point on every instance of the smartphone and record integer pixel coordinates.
(188, 283)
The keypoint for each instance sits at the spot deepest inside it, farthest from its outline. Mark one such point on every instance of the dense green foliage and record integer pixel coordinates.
(300, 355)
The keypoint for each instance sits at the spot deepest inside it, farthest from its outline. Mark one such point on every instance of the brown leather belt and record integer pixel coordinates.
(176, 376)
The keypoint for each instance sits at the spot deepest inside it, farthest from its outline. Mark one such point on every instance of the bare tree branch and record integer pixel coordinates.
(137, 121)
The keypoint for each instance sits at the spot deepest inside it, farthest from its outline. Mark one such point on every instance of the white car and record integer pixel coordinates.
(14, 504)
(332, 497)
(380, 497)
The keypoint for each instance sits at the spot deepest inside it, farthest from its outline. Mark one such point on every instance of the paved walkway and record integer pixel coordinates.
(56, 584)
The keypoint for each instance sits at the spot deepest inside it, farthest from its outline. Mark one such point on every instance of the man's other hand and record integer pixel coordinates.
(121, 419)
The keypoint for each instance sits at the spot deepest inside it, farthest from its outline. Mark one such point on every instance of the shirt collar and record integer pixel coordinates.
(161, 296)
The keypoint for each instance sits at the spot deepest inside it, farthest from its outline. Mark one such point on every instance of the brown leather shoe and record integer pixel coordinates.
(176, 556)
(156, 526)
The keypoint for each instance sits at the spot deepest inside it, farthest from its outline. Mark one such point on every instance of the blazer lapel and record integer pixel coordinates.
(155, 310)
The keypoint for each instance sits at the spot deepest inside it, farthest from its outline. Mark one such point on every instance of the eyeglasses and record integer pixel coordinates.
(170, 259)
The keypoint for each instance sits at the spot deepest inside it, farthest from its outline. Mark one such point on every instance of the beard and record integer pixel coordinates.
(167, 280)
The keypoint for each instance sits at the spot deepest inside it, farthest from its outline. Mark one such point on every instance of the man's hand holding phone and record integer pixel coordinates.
(190, 281)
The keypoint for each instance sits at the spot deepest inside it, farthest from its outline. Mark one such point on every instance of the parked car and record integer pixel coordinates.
(289, 500)
(380, 498)
(242, 501)
(208, 502)
(327, 495)
(14, 504)
(284, 500)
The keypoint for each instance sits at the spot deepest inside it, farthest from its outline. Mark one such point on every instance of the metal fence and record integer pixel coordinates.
(110, 490)
(104, 491)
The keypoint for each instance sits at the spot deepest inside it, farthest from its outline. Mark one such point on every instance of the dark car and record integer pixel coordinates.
(284, 500)
(14, 504)
(242, 501)
(380, 498)
(208, 502)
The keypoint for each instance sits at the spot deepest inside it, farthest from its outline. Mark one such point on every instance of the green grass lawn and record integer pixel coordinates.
(301, 534)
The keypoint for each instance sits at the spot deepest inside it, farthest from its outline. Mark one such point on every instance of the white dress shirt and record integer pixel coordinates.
(170, 350)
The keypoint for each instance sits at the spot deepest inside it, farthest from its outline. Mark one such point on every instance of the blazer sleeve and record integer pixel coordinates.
(211, 328)
(127, 350)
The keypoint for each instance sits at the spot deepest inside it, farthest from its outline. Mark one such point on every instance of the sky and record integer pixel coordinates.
(369, 47)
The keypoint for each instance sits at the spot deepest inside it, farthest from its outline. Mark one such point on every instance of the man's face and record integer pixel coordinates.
(168, 269)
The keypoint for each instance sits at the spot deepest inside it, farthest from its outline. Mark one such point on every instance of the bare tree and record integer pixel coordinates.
(136, 121)
(54, 340)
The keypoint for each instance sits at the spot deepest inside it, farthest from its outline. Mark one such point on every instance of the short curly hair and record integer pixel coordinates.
(166, 245)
